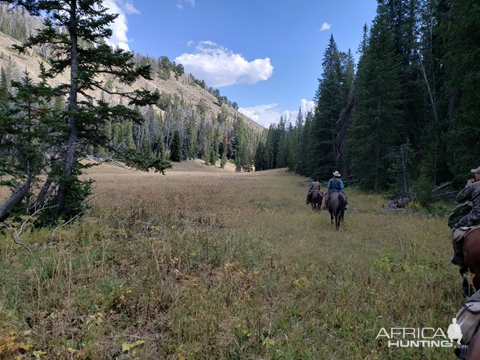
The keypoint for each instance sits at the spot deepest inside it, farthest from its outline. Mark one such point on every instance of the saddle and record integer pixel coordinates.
(468, 317)
(460, 233)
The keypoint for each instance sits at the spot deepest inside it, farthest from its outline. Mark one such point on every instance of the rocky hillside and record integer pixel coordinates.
(15, 65)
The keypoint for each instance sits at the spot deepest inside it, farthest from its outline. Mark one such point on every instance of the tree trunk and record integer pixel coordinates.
(13, 200)
(71, 144)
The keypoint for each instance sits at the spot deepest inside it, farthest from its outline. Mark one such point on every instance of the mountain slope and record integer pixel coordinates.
(192, 94)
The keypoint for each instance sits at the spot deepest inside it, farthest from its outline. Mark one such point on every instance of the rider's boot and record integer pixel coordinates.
(457, 257)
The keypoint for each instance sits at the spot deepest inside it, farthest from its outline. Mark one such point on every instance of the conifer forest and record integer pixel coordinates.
(220, 258)
(402, 121)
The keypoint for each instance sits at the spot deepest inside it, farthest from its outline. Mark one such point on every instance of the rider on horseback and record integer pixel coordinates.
(471, 192)
(314, 186)
(334, 185)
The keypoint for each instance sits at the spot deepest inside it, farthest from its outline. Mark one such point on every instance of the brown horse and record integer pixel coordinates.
(471, 255)
(473, 352)
(316, 198)
(336, 207)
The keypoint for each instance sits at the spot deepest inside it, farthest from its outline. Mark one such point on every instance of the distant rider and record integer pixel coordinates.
(471, 192)
(314, 186)
(335, 184)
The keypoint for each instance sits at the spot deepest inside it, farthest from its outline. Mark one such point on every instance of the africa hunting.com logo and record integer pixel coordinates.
(404, 337)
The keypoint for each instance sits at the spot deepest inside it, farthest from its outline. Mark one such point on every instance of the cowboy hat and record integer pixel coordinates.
(336, 173)
(477, 170)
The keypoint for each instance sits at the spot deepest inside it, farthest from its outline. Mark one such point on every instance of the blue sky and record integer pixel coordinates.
(265, 55)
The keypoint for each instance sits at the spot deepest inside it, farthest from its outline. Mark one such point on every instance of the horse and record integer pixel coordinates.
(336, 207)
(473, 351)
(316, 198)
(471, 258)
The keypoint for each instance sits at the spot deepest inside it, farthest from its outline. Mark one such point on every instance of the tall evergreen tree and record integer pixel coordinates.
(377, 119)
(435, 169)
(76, 30)
(239, 142)
(27, 136)
(303, 167)
(460, 30)
(269, 154)
(176, 149)
(259, 160)
(191, 136)
(330, 99)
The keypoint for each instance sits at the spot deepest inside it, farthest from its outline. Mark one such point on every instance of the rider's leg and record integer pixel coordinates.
(468, 220)
(325, 203)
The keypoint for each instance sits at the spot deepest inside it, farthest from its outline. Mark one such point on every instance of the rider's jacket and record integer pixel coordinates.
(335, 184)
(471, 193)
(314, 186)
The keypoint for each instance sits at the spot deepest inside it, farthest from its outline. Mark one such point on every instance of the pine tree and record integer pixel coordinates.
(283, 150)
(269, 154)
(294, 141)
(259, 160)
(3, 84)
(303, 167)
(331, 99)
(191, 136)
(27, 132)
(176, 149)
(435, 169)
(345, 116)
(377, 119)
(239, 144)
(459, 30)
(75, 30)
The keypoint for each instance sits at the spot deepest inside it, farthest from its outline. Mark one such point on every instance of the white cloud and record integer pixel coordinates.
(270, 114)
(130, 9)
(307, 106)
(219, 66)
(262, 114)
(190, 43)
(119, 26)
(180, 6)
(325, 26)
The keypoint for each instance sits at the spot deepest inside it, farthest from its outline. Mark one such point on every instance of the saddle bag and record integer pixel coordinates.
(468, 317)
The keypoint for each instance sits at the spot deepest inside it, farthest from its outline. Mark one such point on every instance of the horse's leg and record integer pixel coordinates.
(331, 217)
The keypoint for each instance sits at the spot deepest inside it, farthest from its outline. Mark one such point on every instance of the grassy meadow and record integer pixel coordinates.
(205, 263)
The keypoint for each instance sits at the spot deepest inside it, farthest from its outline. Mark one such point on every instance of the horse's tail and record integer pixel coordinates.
(315, 197)
(343, 203)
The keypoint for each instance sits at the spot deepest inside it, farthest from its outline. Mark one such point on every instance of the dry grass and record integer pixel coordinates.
(213, 264)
